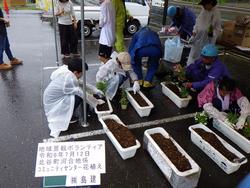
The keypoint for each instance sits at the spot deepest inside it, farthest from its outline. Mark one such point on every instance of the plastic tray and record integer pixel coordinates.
(177, 179)
(232, 134)
(125, 153)
(226, 165)
(180, 102)
(102, 113)
(142, 111)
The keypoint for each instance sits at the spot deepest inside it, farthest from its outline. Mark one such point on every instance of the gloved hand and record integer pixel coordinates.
(187, 85)
(100, 101)
(222, 116)
(191, 40)
(136, 87)
(244, 106)
(99, 92)
(241, 122)
(213, 112)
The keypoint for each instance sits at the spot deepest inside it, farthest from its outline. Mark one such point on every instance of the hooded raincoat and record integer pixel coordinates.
(205, 21)
(114, 75)
(107, 23)
(59, 99)
(185, 23)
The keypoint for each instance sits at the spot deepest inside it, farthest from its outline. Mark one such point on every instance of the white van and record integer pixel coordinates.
(139, 9)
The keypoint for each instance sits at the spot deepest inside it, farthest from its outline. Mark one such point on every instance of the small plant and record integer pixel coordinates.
(201, 117)
(232, 117)
(246, 132)
(183, 92)
(180, 74)
(102, 85)
(124, 100)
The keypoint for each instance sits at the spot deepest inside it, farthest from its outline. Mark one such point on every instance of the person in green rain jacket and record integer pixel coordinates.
(120, 17)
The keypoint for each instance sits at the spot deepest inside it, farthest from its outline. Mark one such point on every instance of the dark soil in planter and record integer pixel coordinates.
(216, 143)
(246, 136)
(172, 152)
(173, 88)
(102, 107)
(138, 99)
(121, 133)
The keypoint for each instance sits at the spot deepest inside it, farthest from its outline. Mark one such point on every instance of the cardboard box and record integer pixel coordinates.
(236, 35)
(242, 35)
(228, 32)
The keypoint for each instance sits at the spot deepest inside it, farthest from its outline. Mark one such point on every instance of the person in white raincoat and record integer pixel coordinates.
(61, 97)
(206, 29)
(107, 24)
(118, 72)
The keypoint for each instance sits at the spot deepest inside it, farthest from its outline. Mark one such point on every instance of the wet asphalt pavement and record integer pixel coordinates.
(23, 124)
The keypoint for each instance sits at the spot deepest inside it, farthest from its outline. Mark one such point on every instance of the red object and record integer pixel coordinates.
(5, 6)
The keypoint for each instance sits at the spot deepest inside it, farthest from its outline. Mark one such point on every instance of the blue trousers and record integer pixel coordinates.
(154, 54)
(5, 46)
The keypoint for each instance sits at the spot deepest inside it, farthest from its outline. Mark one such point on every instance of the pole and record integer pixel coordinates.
(84, 122)
(54, 24)
(164, 16)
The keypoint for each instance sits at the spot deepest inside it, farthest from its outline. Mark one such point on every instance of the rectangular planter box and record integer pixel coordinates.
(180, 102)
(102, 113)
(226, 165)
(125, 153)
(142, 111)
(232, 134)
(177, 179)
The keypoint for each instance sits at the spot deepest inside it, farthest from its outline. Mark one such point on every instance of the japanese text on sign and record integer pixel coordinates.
(79, 180)
(64, 158)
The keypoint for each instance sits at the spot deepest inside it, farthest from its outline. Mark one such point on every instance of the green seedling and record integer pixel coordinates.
(102, 85)
(183, 92)
(232, 117)
(201, 117)
(124, 99)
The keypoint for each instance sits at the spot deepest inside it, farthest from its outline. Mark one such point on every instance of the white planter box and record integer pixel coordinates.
(226, 165)
(102, 113)
(180, 102)
(232, 134)
(125, 153)
(142, 111)
(177, 179)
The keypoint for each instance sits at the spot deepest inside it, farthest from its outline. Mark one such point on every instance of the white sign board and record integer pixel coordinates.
(65, 158)
(81, 180)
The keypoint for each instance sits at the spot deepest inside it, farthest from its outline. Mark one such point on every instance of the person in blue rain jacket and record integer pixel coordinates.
(145, 43)
(205, 69)
(182, 18)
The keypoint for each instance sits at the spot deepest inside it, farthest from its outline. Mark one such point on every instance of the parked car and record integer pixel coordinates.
(139, 9)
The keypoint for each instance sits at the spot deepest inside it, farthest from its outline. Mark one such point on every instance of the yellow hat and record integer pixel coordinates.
(125, 60)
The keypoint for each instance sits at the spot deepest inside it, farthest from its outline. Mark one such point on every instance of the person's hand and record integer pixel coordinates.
(75, 25)
(191, 39)
(99, 92)
(61, 12)
(130, 18)
(6, 22)
(187, 85)
(241, 122)
(177, 68)
(136, 87)
(222, 116)
(100, 101)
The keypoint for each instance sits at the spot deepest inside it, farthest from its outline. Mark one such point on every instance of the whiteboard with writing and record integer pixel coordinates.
(65, 158)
